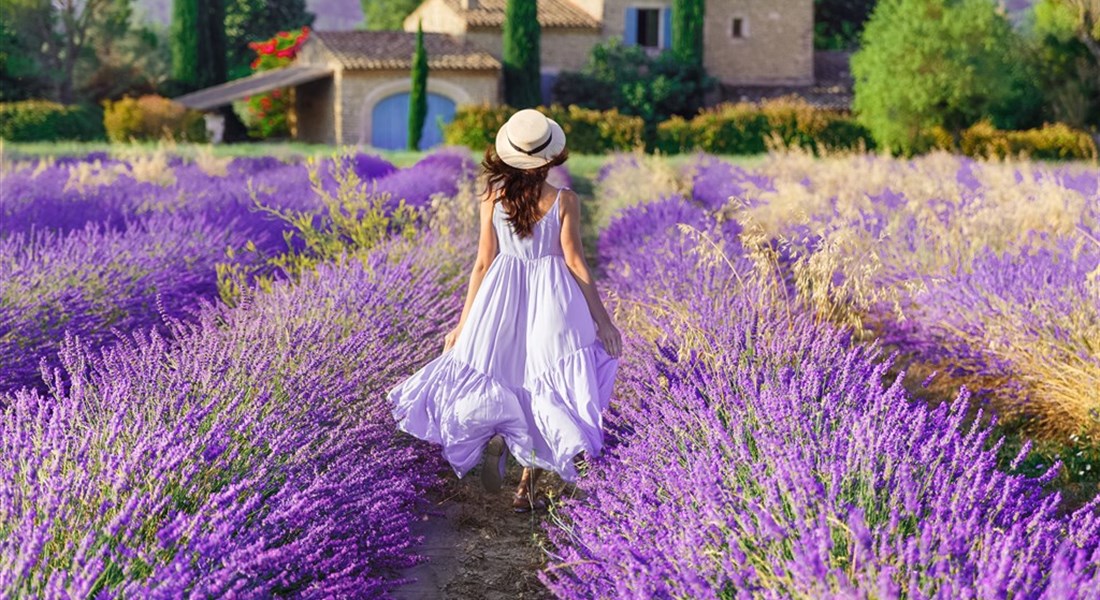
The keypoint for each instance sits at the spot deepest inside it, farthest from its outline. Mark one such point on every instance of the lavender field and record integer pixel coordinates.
(844, 377)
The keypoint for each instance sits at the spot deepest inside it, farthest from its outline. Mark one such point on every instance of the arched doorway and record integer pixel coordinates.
(390, 121)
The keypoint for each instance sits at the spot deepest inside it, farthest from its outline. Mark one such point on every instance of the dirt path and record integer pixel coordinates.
(476, 546)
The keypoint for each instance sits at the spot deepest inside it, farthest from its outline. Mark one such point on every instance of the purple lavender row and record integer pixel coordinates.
(249, 452)
(754, 451)
(90, 257)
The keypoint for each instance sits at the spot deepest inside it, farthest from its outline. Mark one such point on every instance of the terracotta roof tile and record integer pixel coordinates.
(378, 50)
(552, 13)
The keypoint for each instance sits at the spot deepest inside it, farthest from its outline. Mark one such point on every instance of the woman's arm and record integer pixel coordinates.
(578, 266)
(486, 252)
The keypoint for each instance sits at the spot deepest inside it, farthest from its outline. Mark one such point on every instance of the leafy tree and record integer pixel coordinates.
(59, 34)
(250, 21)
(130, 57)
(1082, 17)
(687, 30)
(382, 15)
(418, 96)
(522, 80)
(21, 72)
(626, 78)
(838, 23)
(945, 63)
(1068, 72)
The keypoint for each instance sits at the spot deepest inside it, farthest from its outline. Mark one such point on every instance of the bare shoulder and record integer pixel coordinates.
(570, 202)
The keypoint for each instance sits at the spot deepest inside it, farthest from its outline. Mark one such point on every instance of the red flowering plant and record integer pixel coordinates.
(270, 112)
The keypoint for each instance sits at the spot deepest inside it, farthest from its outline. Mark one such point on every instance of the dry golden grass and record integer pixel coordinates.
(652, 177)
(864, 264)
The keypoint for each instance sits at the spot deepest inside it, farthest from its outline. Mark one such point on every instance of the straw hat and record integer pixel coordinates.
(529, 140)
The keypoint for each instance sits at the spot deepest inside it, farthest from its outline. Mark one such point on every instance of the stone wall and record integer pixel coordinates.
(360, 91)
(314, 105)
(776, 47)
(437, 16)
(559, 49)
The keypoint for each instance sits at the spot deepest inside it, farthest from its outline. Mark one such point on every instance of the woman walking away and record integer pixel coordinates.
(532, 361)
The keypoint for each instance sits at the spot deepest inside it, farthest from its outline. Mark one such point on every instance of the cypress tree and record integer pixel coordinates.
(185, 42)
(418, 95)
(687, 30)
(198, 42)
(522, 80)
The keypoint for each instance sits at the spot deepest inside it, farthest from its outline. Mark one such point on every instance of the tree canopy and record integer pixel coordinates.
(940, 63)
(381, 15)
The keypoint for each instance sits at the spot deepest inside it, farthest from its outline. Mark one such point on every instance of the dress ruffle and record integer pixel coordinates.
(554, 416)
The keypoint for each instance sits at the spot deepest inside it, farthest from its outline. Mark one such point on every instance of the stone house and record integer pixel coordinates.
(745, 42)
(351, 87)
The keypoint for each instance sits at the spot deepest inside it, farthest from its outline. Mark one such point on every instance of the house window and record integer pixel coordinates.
(738, 28)
(648, 27)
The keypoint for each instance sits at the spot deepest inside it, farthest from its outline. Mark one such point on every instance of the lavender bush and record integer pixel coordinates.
(757, 451)
(253, 455)
(101, 245)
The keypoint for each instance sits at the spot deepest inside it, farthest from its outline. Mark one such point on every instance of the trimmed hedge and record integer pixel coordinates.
(746, 128)
(152, 117)
(1051, 142)
(589, 131)
(46, 121)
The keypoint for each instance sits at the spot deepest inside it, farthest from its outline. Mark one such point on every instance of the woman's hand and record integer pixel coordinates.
(609, 336)
(450, 338)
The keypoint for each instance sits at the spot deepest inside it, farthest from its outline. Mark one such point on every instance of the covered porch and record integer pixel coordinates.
(312, 87)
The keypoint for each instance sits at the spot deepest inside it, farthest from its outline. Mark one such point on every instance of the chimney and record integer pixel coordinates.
(469, 4)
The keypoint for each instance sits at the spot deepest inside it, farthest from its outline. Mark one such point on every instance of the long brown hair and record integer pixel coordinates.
(519, 189)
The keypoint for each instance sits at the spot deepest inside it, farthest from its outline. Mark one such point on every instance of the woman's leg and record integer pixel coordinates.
(526, 489)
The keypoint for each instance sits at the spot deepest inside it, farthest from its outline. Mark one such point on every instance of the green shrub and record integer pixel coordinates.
(475, 126)
(947, 63)
(589, 131)
(45, 121)
(152, 118)
(627, 78)
(747, 128)
(597, 132)
(1051, 142)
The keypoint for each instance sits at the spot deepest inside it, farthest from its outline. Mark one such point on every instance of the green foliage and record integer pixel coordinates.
(45, 121)
(1068, 72)
(271, 114)
(418, 94)
(248, 21)
(939, 63)
(21, 74)
(687, 30)
(475, 126)
(152, 118)
(838, 23)
(1051, 142)
(588, 131)
(746, 128)
(628, 79)
(111, 53)
(354, 220)
(387, 15)
(522, 79)
(198, 42)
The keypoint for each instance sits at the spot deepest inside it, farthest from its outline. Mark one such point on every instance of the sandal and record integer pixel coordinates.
(493, 468)
(522, 503)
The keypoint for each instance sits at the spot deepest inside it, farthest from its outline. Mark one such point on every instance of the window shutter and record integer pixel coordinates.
(630, 31)
(666, 26)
